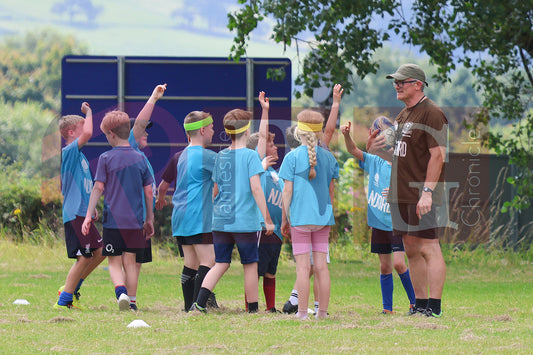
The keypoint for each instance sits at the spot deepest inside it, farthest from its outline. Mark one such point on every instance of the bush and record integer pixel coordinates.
(21, 210)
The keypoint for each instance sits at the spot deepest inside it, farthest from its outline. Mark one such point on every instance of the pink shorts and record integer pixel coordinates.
(303, 238)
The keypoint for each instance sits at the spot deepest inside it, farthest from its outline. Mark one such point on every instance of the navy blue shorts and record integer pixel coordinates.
(384, 242)
(269, 250)
(145, 255)
(79, 244)
(246, 244)
(118, 241)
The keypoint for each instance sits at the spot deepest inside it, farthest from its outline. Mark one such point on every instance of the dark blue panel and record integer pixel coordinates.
(88, 78)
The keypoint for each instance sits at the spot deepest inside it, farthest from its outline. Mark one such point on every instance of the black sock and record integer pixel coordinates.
(203, 295)
(421, 303)
(200, 275)
(434, 304)
(253, 307)
(187, 285)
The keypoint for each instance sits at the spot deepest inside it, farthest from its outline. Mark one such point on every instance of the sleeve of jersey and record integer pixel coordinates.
(286, 171)
(254, 164)
(101, 170)
(147, 176)
(437, 131)
(170, 172)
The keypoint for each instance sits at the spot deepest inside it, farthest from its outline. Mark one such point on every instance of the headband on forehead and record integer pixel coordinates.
(310, 127)
(198, 124)
(238, 130)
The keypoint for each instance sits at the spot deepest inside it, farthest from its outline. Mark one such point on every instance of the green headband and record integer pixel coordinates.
(198, 124)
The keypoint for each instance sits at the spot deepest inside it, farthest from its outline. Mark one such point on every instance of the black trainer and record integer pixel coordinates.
(289, 308)
(212, 301)
(196, 308)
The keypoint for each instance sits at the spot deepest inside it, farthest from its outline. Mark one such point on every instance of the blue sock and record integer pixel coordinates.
(120, 290)
(387, 286)
(408, 286)
(64, 298)
(79, 285)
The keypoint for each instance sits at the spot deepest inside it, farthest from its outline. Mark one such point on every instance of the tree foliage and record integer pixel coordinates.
(493, 39)
(30, 67)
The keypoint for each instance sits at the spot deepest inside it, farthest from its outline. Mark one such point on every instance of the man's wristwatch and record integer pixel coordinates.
(427, 189)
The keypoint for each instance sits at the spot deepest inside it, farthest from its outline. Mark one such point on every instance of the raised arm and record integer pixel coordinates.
(87, 131)
(350, 145)
(333, 114)
(144, 116)
(263, 126)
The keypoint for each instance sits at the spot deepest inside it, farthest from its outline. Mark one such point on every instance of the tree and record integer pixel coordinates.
(493, 39)
(30, 67)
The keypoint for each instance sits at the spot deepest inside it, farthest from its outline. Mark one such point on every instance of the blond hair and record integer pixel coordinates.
(67, 123)
(236, 119)
(118, 122)
(310, 138)
(253, 140)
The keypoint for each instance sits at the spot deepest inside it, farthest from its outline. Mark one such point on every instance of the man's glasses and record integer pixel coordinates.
(400, 84)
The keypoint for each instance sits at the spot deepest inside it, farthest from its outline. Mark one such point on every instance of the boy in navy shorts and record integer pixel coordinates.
(76, 185)
(383, 242)
(239, 203)
(269, 245)
(122, 176)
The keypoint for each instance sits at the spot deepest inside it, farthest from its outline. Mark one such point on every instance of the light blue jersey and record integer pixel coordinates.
(135, 145)
(273, 187)
(193, 197)
(76, 182)
(378, 209)
(235, 209)
(311, 203)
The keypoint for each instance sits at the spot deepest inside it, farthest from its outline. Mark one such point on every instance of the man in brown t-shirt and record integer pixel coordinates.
(416, 187)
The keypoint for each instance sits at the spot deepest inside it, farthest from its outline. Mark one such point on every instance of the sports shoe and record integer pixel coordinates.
(212, 301)
(133, 307)
(429, 313)
(289, 308)
(123, 302)
(413, 311)
(195, 308)
(273, 310)
(386, 311)
(69, 305)
(75, 299)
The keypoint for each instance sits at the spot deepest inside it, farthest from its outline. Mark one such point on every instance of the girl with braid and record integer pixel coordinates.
(308, 172)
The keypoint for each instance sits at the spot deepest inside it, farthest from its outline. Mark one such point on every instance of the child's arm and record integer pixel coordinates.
(350, 145)
(144, 116)
(333, 114)
(87, 131)
(148, 226)
(375, 145)
(263, 126)
(98, 190)
(161, 193)
(259, 196)
(286, 198)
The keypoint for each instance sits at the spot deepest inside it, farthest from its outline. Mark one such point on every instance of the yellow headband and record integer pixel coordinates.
(310, 127)
(198, 124)
(239, 130)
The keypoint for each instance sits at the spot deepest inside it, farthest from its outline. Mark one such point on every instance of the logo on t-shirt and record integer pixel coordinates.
(376, 179)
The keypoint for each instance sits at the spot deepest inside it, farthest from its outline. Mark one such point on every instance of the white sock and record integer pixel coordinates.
(133, 299)
(316, 307)
(294, 298)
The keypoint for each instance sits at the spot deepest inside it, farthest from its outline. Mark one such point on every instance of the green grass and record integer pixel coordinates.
(488, 305)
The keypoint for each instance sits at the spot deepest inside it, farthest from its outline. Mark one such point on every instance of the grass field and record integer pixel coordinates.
(488, 308)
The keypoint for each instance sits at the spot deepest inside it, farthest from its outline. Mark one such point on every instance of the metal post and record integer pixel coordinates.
(121, 84)
(250, 84)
